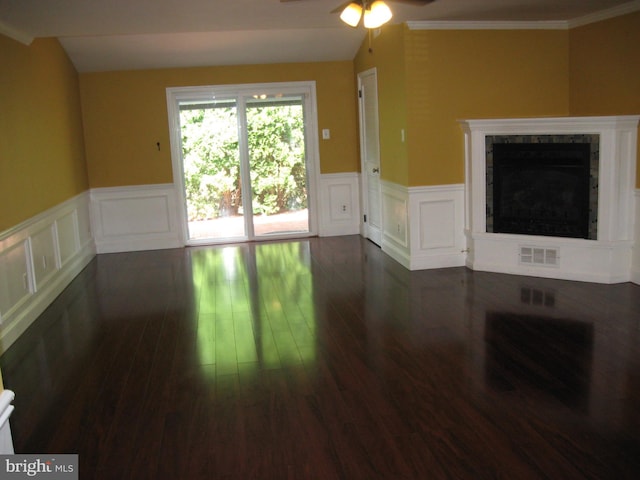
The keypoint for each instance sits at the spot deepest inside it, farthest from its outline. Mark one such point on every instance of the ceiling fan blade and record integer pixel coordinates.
(417, 3)
(338, 9)
(341, 7)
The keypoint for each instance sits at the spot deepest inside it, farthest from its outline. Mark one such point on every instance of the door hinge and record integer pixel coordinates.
(365, 219)
(359, 93)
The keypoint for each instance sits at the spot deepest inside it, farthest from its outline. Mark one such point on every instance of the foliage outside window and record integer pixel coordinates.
(212, 162)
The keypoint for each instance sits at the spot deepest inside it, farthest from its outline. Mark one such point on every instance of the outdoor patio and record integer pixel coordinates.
(264, 225)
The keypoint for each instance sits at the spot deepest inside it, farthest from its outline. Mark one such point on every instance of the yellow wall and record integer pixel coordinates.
(386, 54)
(125, 115)
(431, 79)
(605, 69)
(477, 74)
(41, 142)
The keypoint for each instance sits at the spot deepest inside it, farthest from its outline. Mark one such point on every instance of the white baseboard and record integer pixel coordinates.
(38, 259)
(399, 254)
(141, 217)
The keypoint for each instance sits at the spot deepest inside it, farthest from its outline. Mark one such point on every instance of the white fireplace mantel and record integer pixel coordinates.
(605, 260)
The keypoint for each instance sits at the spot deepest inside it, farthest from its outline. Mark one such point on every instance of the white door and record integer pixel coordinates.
(370, 155)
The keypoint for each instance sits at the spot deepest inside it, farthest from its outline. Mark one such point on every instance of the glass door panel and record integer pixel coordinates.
(277, 164)
(246, 160)
(212, 169)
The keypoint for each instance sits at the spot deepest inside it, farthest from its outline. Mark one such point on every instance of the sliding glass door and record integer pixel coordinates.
(276, 146)
(245, 160)
(211, 170)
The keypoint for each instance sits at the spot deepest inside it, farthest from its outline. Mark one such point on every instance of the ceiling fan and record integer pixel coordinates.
(373, 13)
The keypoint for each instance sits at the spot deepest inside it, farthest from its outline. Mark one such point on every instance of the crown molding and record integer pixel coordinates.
(488, 25)
(613, 12)
(15, 34)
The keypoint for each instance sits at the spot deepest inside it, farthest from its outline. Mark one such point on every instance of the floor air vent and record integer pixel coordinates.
(539, 256)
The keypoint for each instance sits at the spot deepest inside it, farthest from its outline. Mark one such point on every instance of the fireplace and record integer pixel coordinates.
(551, 197)
(542, 185)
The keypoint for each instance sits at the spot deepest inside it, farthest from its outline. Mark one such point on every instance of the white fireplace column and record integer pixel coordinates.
(606, 259)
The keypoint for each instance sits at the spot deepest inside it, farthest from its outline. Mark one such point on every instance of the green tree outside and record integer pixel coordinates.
(211, 160)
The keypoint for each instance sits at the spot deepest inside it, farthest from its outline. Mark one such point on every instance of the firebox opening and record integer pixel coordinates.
(541, 188)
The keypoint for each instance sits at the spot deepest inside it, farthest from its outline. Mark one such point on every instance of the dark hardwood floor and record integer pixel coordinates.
(325, 359)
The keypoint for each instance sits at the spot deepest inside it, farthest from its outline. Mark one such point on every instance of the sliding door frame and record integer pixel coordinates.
(307, 90)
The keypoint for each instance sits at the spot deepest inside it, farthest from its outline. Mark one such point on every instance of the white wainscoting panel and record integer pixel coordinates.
(68, 233)
(395, 222)
(635, 265)
(83, 228)
(15, 283)
(423, 227)
(43, 252)
(141, 217)
(38, 259)
(442, 233)
(437, 226)
(394, 215)
(339, 204)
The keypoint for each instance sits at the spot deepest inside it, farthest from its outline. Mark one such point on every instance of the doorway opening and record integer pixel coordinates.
(245, 161)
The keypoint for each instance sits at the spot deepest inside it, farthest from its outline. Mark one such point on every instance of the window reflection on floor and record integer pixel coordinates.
(254, 309)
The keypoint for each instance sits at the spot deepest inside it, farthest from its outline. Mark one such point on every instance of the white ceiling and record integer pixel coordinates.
(101, 35)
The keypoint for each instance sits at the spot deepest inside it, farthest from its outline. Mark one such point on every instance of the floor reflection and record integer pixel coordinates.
(552, 356)
(255, 306)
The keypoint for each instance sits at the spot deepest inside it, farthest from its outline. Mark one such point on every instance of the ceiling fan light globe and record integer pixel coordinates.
(377, 15)
(351, 14)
